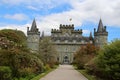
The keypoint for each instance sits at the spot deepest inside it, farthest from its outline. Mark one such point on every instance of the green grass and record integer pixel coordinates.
(89, 77)
(83, 72)
(38, 77)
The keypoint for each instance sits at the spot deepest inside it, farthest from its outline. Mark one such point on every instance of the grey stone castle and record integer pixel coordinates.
(67, 40)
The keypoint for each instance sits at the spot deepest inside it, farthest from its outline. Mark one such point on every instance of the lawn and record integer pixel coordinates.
(89, 77)
(38, 77)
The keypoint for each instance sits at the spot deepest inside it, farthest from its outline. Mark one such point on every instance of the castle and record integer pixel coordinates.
(67, 40)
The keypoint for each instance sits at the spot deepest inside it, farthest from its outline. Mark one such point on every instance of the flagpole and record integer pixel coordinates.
(70, 20)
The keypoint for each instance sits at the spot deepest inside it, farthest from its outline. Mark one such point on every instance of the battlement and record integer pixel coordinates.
(35, 31)
(102, 32)
(77, 31)
(55, 31)
(67, 26)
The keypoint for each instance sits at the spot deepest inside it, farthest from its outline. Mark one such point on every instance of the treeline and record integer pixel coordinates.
(17, 62)
(104, 63)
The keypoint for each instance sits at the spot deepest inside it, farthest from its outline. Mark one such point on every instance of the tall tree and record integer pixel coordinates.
(47, 51)
(108, 61)
(85, 54)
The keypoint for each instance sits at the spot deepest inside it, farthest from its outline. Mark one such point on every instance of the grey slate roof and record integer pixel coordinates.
(100, 26)
(70, 39)
(34, 26)
(34, 29)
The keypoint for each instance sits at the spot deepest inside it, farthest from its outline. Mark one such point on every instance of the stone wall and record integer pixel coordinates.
(66, 50)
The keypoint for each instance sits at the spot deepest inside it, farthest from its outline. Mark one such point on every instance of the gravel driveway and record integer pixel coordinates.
(64, 72)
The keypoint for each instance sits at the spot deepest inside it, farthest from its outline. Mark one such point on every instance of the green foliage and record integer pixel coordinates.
(21, 63)
(12, 38)
(26, 73)
(108, 61)
(91, 67)
(5, 73)
(89, 77)
(47, 67)
(38, 77)
(13, 35)
(24, 64)
(47, 52)
(84, 55)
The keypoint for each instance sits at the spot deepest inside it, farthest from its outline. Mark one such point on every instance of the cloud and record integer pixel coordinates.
(92, 10)
(82, 10)
(32, 8)
(86, 31)
(39, 4)
(18, 17)
(16, 27)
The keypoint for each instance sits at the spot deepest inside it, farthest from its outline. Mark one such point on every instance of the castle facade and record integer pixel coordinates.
(67, 40)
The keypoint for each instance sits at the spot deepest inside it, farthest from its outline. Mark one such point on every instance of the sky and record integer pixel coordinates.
(49, 14)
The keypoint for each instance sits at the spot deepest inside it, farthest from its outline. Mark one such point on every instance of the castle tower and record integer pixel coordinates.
(33, 37)
(101, 35)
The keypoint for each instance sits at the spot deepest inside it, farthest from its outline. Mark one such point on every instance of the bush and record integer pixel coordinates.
(108, 61)
(46, 67)
(15, 54)
(5, 73)
(91, 68)
(28, 64)
(84, 55)
(25, 72)
(21, 63)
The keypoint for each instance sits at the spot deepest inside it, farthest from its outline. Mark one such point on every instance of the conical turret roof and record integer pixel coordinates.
(34, 26)
(100, 26)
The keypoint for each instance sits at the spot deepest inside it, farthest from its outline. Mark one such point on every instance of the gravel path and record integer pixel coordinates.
(64, 72)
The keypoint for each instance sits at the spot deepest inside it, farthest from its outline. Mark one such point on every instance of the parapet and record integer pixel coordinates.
(55, 31)
(35, 31)
(77, 31)
(67, 26)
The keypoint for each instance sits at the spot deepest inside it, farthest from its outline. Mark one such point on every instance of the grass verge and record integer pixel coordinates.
(83, 72)
(38, 77)
(89, 77)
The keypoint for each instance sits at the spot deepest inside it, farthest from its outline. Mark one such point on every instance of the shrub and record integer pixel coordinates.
(47, 67)
(91, 67)
(108, 61)
(28, 64)
(5, 73)
(84, 55)
(20, 61)
(26, 73)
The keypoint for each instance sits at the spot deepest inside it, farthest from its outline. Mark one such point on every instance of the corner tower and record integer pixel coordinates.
(101, 35)
(33, 37)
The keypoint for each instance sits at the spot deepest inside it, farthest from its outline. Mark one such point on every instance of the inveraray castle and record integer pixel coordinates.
(67, 40)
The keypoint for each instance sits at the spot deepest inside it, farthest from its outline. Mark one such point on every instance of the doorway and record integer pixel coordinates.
(66, 60)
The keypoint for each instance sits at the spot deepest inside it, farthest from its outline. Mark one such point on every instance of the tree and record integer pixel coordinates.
(15, 56)
(85, 54)
(13, 35)
(108, 61)
(20, 62)
(47, 51)
(12, 38)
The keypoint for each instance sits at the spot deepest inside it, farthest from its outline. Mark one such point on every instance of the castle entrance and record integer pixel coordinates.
(66, 59)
